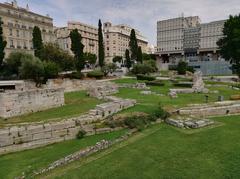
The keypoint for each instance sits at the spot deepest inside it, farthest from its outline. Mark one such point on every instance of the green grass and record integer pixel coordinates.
(73, 106)
(148, 103)
(12, 165)
(166, 152)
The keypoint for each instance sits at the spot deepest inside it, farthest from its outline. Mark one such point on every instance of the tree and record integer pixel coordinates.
(139, 55)
(229, 45)
(32, 68)
(90, 58)
(117, 59)
(128, 60)
(182, 68)
(133, 45)
(100, 45)
(53, 53)
(3, 44)
(77, 49)
(37, 41)
(109, 68)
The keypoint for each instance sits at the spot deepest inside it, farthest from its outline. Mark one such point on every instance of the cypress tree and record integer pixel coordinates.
(37, 41)
(3, 44)
(139, 55)
(133, 45)
(128, 60)
(77, 49)
(100, 45)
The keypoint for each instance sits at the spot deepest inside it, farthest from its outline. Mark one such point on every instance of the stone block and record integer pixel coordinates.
(59, 133)
(58, 126)
(39, 136)
(34, 129)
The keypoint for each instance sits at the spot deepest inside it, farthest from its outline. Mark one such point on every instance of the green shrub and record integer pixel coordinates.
(76, 75)
(143, 69)
(51, 70)
(160, 113)
(152, 63)
(182, 68)
(145, 77)
(155, 83)
(109, 68)
(98, 74)
(81, 134)
(137, 122)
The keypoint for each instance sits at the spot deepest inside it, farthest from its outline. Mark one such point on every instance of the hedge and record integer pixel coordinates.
(145, 77)
(95, 74)
(155, 83)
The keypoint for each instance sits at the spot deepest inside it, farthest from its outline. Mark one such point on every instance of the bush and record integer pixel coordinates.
(152, 63)
(76, 75)
(81, 134)
(51, 70)
(155, 83)
(160, 113)
(143, 69)
(95, 74)
(182, 68)
(109, 68)
(145, 77)
(32, 68)
(235, 97)
(137, 122)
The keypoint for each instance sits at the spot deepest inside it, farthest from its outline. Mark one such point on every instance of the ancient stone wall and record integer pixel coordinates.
(28, 136)
(15, 103)
(217, 109)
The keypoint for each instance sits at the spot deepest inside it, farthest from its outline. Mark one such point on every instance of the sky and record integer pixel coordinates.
(140, 14)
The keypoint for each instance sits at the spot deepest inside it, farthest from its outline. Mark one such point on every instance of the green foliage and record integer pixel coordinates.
(182, 84)
(37, 41)
(81, 134)
(152, 63)
(117, 59)
(230, 43)
(98, 74)
(155, 83)
(137, 122)
(109, 68)
(77, 49)
(51, 70)
(133, 45)
(160, 113)
(128, 60)
(53, 53)
(139, 55)
(142, 69)
(90, 58)
(32, 68)
(182, 68)
(100, 45)
(14, 61)
(3, 44)
(145, 77)
(76, 75)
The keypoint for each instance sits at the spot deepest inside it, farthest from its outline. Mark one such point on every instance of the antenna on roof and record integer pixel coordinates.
(27, 7)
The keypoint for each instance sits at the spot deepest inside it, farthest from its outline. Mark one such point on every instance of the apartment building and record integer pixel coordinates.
(89, 37)
(117, 39)
(18, 24)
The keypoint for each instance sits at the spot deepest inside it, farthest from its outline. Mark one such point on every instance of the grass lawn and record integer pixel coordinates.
(163, 151)
(148, 103)
(73, 106)
(12, 165)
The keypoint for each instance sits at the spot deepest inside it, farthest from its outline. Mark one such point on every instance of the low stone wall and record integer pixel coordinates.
(28, 136)
(15, 103)
(217, 109)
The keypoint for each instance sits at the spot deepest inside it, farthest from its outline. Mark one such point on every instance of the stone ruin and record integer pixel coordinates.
(198, 86)
(101, 90)
(142, 86)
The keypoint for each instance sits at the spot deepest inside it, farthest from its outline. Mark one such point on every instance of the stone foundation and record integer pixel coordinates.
(15, 103)
(28, 136)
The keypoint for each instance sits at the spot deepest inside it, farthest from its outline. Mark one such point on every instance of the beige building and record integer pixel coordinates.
(89, 37)
(18, 24)
(117, 39)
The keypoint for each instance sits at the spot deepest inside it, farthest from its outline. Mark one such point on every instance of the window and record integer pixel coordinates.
(17, 33)
(10, 32)
(11, 44)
